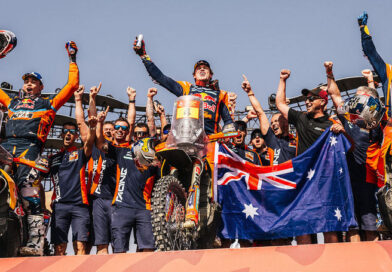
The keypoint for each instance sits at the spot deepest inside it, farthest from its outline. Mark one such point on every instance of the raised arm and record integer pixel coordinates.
(88, 145)
(264, 123)
(131, 116)
(162, 115)
(281, 93)
(332, 87)
(73, 79)
(150, 111)
(369, 77)
(370, 50)
(100, 141)
(92, 106)
(79, 113)
(156, 74)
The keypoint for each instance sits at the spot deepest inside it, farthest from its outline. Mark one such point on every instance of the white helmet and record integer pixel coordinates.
(363, 110)
(144, 152)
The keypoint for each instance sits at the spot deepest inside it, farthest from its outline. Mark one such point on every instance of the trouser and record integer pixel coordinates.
(26, 178)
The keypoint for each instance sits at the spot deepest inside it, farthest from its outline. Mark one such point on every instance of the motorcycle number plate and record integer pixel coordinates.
(189, 109)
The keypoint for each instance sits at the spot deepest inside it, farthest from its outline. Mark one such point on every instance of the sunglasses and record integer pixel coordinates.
(140, 133)
(312, 98)
(66, 130)
(256, 135)
(117, 127)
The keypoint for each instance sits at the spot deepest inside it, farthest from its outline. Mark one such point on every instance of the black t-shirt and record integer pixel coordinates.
(308, 129)
(284, 148)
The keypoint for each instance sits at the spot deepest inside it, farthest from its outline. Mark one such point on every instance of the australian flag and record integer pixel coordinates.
(308, 194)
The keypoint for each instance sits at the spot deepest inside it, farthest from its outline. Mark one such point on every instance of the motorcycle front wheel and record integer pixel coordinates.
(168, 205)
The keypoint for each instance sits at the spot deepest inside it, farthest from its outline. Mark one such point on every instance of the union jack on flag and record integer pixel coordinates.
(308, 194)
(237, 168)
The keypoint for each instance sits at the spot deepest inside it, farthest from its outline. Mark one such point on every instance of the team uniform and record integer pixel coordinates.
(363, 180)
(245, 153)
(384, 71)
(215, 101)
(283, 148)
(70, 196)
(308, 129)
(101, 172)
(132, 201)
(27, 128)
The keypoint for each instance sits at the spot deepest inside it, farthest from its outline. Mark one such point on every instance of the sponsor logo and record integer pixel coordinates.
(276, 156)
(22, 115)
(249, 155)
(25, 104)
(121, 185)
(73, 156)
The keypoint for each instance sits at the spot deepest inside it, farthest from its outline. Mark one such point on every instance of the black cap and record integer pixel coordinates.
(240, 125)
(255, 132)
(202, 62)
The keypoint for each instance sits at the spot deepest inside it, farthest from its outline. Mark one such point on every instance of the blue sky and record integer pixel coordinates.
(257, 38)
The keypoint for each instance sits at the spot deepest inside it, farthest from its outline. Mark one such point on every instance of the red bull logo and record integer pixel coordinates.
(26, 103)
(205, 97)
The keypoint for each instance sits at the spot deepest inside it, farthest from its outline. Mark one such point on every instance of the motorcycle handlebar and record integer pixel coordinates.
(32, 164)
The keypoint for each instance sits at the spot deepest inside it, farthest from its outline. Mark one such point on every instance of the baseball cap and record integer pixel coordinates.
(33, 74)
(256, 132)
(202, 62)
(316, 91)
(240, 125)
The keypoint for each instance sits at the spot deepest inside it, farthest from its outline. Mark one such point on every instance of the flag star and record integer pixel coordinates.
(250, 211)
(333, 140)
(341, 170)
(310, 174)
(338, 214)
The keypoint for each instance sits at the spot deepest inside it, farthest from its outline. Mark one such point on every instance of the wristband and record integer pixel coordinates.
(132, 101)
(93, 128)
(370, 81)
(251, 95)
(330, 76)
(146, 57)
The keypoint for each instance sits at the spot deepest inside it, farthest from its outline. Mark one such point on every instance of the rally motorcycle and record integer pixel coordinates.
(13, 219)
(184, 214)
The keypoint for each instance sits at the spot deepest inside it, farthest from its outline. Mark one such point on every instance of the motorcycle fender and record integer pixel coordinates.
(12, 191)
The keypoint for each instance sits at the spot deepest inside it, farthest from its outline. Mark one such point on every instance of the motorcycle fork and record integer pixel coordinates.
(192, 205)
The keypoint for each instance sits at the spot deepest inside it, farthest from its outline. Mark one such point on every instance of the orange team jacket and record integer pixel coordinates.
(33, 118)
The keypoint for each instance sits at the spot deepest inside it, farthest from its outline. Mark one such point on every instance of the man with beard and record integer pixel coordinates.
(276, 135)
(309, 126)
(132, 194)
(70, 194)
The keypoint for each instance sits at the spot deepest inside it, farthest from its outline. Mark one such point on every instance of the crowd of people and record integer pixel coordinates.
(103, 189)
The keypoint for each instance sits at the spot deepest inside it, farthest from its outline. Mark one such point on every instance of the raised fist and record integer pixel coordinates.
(251, 114)
(141, 51)
(367, 73)
(79, 92)
(246, 85)
(152, 92)
(328, 66)
(285, 74)
(362, 19)
(71, 47)
(131, 92)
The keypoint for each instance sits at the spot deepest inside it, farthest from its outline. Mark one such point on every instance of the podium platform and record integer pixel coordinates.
(363, 256)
